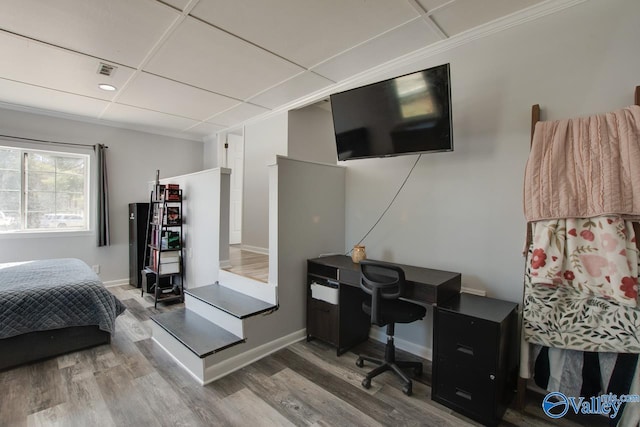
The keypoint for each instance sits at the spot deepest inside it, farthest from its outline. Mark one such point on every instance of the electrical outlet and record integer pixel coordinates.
(96, 268)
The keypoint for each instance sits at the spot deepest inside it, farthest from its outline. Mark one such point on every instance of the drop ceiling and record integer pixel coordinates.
(191, 68)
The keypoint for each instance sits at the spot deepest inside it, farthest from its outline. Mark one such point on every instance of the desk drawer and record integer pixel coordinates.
(324, 292)
(322, 320)
(465, 388)
(467, 340)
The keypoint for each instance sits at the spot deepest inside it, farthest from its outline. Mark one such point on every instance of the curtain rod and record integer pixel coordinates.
(44, 141)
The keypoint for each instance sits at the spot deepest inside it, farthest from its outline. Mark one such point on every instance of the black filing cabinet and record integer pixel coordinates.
(475, 356)
(138, 220)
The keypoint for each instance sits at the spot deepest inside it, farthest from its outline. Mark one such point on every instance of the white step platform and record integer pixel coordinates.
(208, 336)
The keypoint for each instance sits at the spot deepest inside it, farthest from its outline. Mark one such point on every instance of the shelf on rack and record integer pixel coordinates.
(164, 235)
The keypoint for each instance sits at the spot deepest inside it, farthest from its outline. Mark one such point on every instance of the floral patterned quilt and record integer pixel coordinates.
(581, 285)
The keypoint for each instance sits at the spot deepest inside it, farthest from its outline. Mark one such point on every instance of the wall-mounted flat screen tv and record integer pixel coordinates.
(404, 115)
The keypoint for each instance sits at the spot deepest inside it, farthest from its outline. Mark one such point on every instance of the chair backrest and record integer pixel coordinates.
(383, 282)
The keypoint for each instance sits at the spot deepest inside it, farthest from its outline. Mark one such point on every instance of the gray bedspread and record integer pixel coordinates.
(53, 294)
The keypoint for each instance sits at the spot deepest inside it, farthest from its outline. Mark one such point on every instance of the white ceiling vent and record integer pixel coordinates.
(106, 69)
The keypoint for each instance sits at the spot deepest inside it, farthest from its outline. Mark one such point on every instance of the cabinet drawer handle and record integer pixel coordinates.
(464, 349)
(463, 394)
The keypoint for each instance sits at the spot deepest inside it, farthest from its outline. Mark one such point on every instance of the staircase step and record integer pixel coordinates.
(235, 303)
(195, 332)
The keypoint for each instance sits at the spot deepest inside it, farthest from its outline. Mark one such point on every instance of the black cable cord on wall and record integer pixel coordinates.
(390, 203)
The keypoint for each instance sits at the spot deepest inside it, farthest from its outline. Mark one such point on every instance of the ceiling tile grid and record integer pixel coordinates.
(237, 114)
(463, 15)
(160, 94)
(407, 38)
(39, 64)
(122, 31)
(133, 115)
(207, 57)
(36, 97)
(195, 67)
(303, 84)
(305, 32)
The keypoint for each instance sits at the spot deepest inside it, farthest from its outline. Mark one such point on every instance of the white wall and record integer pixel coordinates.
(462, 211)
(311, 135)
(205, 224)
(133, 158)
(262, 142)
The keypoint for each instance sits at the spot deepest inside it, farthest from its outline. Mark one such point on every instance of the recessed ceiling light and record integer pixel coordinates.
(107, 87)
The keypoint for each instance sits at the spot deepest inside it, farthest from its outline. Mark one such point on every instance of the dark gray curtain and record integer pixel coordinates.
(103, 196)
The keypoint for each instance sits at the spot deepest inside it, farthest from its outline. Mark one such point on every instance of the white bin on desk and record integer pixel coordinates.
(325, 293)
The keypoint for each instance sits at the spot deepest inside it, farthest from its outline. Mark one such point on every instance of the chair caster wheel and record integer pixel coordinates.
(407, 389)
(359, 363)
(366, 383)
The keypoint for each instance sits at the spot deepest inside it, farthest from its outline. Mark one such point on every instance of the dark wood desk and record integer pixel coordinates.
(335, 313)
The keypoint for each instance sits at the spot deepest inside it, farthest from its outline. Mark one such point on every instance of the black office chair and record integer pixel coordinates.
(385, 283)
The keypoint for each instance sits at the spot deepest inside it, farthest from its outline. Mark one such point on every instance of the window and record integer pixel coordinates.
(43, 190)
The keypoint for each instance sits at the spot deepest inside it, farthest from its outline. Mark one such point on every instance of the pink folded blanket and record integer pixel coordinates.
(585, 167)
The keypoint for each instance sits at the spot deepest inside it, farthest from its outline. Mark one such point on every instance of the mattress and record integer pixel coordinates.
(53, 294)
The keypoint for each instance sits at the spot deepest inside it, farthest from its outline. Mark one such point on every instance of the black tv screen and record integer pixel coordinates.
(404, 115)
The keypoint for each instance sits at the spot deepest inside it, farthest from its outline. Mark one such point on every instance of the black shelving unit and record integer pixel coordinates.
(163, 255)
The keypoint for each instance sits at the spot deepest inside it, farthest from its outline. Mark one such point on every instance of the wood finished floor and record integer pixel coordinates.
(133, 382)
(249, 264)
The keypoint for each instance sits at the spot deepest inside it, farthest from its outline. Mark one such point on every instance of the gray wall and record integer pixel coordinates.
(310, 199)
(262, 142)
(462, 211)
(311, 135)
(133, 158)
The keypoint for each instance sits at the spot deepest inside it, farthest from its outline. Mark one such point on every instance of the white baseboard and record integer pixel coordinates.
(245, 358)
(379, 334)
(119, 282)
(256, 249)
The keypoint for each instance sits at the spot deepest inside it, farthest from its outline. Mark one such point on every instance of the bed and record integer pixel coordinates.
(51, 307)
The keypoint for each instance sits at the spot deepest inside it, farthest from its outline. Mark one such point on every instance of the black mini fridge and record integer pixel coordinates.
(138, 218)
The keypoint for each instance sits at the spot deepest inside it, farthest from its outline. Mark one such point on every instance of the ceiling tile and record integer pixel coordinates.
(21, 94)
(204, 129)
(178, 4)
(294, 88)
(429, 5)
(463, 15)
(39, 64)
(306, 32)
(160, 94)
(209, 58)
(393, 44)
(115, 30)
(127, 114)
(237, 114)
